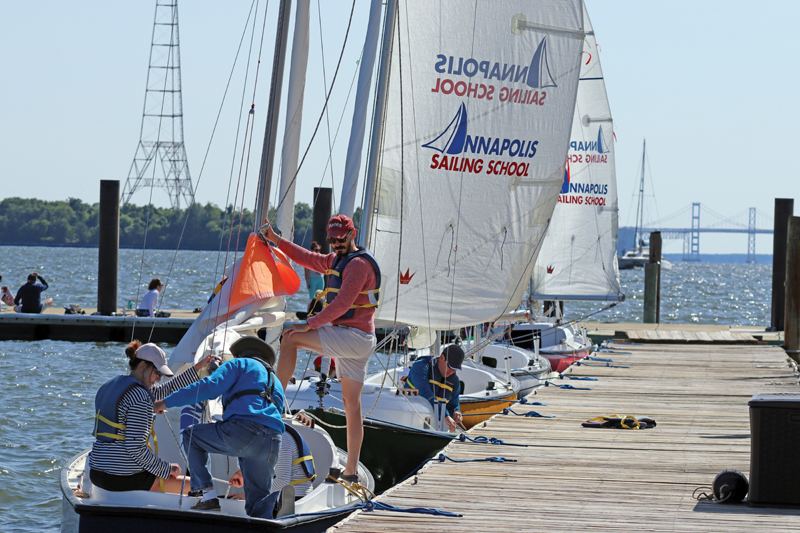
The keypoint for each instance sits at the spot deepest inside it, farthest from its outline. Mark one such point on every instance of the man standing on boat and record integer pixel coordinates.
(251, 427)
(437, 381)
(345, 328)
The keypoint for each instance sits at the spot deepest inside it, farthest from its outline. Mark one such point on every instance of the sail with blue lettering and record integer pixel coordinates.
(578, 259)
(479, 109)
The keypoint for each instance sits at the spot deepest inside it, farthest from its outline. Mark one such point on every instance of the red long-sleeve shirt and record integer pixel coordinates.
(358, 276)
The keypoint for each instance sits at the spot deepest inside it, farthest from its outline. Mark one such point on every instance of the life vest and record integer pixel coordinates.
(106, 404)
(334, 281)
(305, 458)
(265, 393)
(439, 384)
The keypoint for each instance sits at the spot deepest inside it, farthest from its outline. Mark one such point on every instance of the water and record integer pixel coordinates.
(47, 407)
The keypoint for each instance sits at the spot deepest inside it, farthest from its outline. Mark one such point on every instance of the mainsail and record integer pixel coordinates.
(478, 113)
(578, 258)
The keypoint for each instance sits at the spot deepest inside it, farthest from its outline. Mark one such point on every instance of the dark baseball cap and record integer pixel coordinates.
(454, 356)
(257, 349)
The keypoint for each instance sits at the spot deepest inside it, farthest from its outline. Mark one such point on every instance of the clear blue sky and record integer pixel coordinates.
(710, 85)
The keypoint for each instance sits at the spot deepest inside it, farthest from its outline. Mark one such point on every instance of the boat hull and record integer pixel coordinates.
(560, 361)
(389, 451)
(476, 410)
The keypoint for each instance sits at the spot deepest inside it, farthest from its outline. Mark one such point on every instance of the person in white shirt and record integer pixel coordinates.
(150, 300)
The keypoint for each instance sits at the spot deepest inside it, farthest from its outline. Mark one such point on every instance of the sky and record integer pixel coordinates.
(710, 85)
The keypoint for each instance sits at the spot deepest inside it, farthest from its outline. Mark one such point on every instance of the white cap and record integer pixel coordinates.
(154, 354)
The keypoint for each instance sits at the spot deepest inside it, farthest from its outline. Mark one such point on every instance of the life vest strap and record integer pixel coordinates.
(301, 481)
(442, 385)
(301, 459)
(111, 436)
(105, 420)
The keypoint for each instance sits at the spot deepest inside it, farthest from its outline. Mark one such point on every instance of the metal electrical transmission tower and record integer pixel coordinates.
(161, 136)
(751, 237)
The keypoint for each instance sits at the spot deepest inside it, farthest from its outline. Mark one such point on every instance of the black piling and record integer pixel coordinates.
(791, 330)
(108, 252)
(784, 208)
(655, 258)
(320, 215)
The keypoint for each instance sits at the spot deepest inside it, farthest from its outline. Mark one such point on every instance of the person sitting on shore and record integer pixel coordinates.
(5, 295)
(150, 301)
(29, 296)
(121, 459)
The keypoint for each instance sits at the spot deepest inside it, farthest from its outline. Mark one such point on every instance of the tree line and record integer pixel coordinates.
(28, 221)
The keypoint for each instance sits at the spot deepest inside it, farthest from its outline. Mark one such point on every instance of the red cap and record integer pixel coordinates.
(339, 226)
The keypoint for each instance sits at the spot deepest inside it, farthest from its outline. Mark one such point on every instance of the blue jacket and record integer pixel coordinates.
(30, 294)
(232, 377)
(425, 376)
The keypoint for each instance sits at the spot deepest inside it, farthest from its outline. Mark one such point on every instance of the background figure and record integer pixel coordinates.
(314, 279)
(150, 300)
(29, 296)
(5, 295)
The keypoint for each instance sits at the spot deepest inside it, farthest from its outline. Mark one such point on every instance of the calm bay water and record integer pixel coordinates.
(46, 412)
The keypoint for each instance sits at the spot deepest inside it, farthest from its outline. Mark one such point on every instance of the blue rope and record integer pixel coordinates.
(578, 378)
(380, 506)
(609, 365)
(442, 457)
(523, 401)
(487, 440)
(612, 350)
(508, 411)
(599, 359)
(568, 386)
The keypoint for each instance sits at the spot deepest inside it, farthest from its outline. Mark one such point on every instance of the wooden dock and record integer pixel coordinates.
(571, 478)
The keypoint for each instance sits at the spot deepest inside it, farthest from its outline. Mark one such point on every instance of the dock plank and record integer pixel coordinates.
(571, 478)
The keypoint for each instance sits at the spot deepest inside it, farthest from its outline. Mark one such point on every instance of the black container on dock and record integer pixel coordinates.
(774, 461)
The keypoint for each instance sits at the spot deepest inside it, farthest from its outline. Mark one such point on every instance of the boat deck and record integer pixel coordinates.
(571, 478)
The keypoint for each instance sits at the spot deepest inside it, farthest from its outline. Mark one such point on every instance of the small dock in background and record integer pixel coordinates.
(571, 478)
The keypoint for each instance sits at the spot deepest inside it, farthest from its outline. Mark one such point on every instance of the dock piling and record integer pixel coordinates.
(108, 251)
(784, 208)
(320, 215)
(650, 293)
(655, 258)
(791, 328)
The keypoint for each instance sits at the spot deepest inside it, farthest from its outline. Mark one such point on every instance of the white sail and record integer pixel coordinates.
(578, 257)
(470, 173)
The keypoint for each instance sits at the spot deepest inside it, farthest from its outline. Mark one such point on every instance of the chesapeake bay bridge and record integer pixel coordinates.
(691, 236)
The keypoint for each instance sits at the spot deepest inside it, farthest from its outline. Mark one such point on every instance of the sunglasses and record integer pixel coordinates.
(159, 375)
(333, 240)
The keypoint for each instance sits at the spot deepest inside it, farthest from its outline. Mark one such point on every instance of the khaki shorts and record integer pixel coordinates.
(350, 347)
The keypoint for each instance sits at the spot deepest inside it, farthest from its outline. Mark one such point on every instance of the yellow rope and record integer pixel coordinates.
(356, 489)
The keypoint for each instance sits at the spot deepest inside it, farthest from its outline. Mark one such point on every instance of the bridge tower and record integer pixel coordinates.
(161, 134)
(751, 237)
(691, 242)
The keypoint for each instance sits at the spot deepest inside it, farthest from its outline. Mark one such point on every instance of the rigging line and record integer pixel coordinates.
(236, 195)
(336, 136)
(652, 185)
(170, 58)
(324, 87)
(238, 131)
(208, 149)
(402, 184)
(461, 181)
(324, 107)
(418, 170)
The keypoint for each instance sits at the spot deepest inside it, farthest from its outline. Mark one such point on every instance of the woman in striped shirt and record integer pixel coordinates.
(121, 458)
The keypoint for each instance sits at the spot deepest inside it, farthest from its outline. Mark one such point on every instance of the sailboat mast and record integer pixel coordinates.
(640, 206)
(273, 111)
(377, 121)
(353, 162)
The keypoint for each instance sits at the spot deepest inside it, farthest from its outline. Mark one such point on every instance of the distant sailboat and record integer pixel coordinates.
(640, 255)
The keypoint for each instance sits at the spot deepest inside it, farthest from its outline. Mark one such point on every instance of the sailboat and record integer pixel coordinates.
(578, 260)
(475, 133)
(469, 141)
(248, 298)
(640, 255)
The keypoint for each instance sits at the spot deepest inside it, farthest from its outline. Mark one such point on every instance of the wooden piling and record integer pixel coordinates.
(108, 252)
(655, 258)
(784, 208)
(320, 215)
(792, 305)
(650, 293)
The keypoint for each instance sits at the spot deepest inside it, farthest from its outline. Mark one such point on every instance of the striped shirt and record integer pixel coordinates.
(285, 472)
(135, 412)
